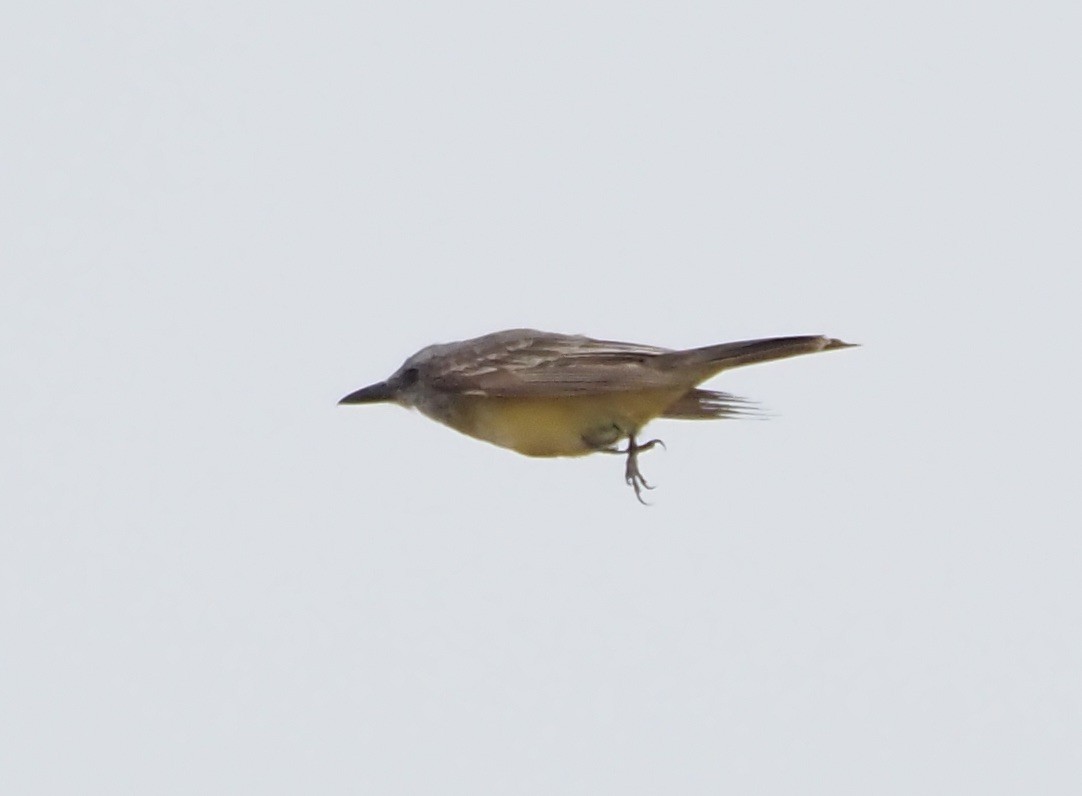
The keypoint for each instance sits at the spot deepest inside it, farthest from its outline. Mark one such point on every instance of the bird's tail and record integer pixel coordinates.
(710, 405)
(715, 358)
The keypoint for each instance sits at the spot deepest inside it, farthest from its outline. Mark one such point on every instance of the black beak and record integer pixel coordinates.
(372, 394)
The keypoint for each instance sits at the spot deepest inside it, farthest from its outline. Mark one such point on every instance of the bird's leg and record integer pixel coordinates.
(632, 474)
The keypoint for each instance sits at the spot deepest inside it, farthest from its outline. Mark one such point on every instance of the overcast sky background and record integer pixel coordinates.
(219, 218)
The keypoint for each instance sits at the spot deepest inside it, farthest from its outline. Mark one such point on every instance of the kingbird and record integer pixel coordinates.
(546, 394)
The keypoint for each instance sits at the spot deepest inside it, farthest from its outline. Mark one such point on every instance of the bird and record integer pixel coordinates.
(548, 394)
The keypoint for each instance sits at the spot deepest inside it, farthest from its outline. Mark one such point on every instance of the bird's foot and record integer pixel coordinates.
(632, 475)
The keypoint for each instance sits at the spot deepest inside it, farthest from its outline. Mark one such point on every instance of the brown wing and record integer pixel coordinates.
(529, 363)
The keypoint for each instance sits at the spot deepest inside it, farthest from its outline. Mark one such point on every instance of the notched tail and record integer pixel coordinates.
(710, 405)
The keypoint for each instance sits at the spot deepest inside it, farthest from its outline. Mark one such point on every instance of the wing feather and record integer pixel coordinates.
(528, 363)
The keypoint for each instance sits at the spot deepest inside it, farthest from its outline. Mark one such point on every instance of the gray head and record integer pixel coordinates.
(404, 385)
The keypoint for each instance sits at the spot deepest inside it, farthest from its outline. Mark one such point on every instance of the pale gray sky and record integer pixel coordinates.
(217, 219)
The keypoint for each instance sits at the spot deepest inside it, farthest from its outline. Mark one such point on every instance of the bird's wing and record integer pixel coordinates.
(527, 363)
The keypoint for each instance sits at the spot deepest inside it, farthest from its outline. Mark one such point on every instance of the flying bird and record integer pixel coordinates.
(546, 394)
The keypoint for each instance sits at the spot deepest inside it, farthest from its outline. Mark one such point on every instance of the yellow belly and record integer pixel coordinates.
(567, 426)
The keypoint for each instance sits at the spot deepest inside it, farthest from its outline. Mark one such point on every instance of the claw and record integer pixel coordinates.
(632, 475)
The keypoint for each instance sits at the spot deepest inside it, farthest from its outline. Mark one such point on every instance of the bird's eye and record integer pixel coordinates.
(408, 377)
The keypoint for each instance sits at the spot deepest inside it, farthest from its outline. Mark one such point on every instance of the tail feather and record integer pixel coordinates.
(715, 358)
(710, 405)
